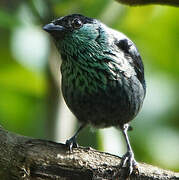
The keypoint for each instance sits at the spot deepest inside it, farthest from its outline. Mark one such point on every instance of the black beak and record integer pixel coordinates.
(51, 28)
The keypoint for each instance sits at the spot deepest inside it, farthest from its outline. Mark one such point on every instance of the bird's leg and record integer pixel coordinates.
(71, 143)
(128, 162)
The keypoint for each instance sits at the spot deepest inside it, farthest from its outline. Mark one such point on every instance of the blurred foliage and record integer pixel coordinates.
(28, 98)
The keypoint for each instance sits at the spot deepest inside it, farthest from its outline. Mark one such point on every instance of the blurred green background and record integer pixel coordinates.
(30, 97)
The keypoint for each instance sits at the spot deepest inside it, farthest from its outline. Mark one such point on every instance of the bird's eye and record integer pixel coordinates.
(76, 23)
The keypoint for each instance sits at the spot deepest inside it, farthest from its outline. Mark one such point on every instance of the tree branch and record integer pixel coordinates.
(145, 2)
(34, 159)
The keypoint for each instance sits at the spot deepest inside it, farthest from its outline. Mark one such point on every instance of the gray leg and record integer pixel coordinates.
(128, 162)
(71, 143)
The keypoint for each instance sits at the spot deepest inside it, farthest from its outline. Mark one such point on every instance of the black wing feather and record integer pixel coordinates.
(135, 60)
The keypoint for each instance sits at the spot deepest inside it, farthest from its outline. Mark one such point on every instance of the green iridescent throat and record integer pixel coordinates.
(85, 69)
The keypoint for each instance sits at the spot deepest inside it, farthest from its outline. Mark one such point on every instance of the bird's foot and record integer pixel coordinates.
(128, 164)
(71, 143)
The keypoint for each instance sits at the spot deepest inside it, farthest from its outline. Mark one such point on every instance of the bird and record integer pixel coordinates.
(103, 80)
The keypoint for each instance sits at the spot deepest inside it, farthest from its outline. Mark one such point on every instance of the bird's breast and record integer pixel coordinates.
(97, 99)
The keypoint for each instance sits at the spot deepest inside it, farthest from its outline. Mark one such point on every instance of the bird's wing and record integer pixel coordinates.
(132, 54)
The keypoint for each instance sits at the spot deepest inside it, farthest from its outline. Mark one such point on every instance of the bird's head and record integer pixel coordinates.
(73, 31)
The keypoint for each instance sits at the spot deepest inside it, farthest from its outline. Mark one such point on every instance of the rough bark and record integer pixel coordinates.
(34, 159)
(145, 2)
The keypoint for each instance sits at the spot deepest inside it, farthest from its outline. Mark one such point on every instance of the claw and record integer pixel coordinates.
(129, 164)
(71, 143)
